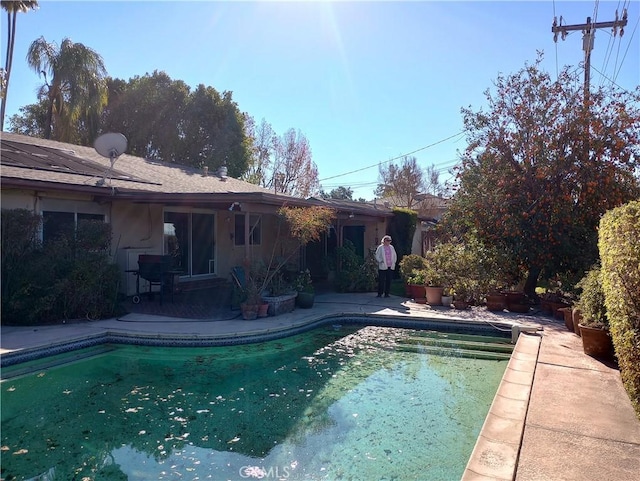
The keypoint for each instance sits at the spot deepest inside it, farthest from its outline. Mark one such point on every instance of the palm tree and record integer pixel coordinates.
(74, 87)
(12, 8)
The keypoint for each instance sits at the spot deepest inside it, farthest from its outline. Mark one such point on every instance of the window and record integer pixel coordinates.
(255, 229)
(55, 224)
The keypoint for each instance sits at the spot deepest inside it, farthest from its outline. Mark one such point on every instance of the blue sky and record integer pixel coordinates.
(365, 82)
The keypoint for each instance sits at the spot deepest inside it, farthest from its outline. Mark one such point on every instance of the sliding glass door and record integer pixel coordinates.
(189, 238)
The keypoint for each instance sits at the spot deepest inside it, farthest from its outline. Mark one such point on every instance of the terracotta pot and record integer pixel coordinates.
(461, 304)
(249, 311)
(596, 342)
(545, 306)
(417, 291)
(522, 308)
(263, 310)
(557, 313)
(576, 316)
(496, 302)
(568, 317)
(514, 297)
(434, 295)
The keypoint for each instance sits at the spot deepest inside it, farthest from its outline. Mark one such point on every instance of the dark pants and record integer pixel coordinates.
(384, 281)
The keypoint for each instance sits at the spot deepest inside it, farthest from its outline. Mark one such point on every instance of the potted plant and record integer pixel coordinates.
(435, 281)
(416, 282)
(251, 299)
(304, 224)
(411, 269)
(304, 287)
(594, 328)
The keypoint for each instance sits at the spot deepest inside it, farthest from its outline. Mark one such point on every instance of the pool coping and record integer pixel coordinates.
(497, 449)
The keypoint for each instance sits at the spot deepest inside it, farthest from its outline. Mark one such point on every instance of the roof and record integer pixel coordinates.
(28, 161)
(34, 163)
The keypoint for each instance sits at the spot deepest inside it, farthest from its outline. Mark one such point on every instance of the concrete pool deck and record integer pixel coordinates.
(558, 414)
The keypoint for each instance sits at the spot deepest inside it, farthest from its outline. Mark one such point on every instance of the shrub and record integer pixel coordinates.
(410, 265)
(620, 256)
(591, 300)
(69, 278)
(356, 274)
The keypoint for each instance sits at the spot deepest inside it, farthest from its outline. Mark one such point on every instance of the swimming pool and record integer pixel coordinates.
(346, 402)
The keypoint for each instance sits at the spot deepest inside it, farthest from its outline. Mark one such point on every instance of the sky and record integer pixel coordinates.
(366, 82)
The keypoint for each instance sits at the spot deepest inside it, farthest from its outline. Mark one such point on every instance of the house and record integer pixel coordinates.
(207, 222)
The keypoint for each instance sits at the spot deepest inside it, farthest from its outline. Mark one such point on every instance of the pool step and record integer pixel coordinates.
(10, 372)
(453, 351)
(455, 343)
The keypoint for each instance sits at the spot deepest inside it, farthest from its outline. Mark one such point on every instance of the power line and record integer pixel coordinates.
(395, 158)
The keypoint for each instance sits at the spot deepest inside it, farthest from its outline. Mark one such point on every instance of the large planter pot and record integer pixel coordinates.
(516, 302)
(249, 311)
(568, 317)
(596, 342)
(576, 317)
(281, 304)
(555, 308)
(417, 291)
(305, 299)
(496, 302)
(460, 304)
(434, 295)
(263, 310)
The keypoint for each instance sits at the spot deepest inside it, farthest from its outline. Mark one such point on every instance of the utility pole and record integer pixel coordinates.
(588, 34)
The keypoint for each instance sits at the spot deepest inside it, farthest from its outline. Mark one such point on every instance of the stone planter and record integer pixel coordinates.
(434, 295)
(280, 304)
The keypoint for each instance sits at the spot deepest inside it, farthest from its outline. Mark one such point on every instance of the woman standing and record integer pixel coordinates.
(386, 257)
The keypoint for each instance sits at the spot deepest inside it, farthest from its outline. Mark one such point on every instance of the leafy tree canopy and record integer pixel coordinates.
(340, 193)
(542, 166)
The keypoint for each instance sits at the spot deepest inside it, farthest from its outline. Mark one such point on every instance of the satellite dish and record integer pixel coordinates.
(111, 145)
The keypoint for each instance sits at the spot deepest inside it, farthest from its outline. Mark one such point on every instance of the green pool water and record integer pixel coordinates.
(352, 403)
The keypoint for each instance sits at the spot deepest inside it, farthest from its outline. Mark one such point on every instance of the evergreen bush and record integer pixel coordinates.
(620, 257)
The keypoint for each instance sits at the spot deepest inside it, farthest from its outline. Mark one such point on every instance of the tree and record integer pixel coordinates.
(262, 139)
(402, 183)
(341, 193)
(31, 120)
(213, 132)
(76, 91)
(164, 120)
(148, 111)
(12, 7)
(294, 172)
(542, 166)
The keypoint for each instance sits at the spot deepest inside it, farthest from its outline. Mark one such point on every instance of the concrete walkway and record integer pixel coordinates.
(558, 414)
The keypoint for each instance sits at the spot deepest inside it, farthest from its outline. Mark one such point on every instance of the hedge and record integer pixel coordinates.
(620, 256)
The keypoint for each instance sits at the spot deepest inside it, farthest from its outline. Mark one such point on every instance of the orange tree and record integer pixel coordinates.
(542, 165)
